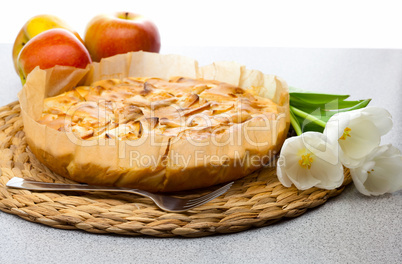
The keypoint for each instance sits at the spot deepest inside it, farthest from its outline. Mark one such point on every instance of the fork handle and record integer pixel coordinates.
(21, 183)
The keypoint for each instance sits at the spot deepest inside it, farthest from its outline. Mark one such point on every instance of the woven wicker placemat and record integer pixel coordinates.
(254, 201)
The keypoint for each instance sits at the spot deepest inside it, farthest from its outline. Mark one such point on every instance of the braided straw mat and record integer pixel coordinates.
(254, 201)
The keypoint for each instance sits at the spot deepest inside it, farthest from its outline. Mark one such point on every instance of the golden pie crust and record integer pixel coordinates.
(155, 133)
(134, 107)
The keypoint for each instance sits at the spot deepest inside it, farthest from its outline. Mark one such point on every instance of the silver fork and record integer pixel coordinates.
(167, 203)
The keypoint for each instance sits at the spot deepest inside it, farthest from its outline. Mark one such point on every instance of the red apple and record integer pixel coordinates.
(52, 47)
(33, 27)
(122, 32)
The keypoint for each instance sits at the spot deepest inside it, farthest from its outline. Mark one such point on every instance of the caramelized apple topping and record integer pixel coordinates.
(129, 108)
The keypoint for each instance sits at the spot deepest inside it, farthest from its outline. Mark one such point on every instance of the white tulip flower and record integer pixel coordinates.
(309, 160)
(358, 133)
(380, 173)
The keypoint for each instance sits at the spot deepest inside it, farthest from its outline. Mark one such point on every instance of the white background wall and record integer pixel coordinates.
(281, 23)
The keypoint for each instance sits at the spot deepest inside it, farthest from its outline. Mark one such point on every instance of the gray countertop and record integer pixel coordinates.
(350, 228)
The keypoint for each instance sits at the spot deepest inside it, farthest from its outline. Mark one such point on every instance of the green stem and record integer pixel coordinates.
(295, 124)
(307, 116)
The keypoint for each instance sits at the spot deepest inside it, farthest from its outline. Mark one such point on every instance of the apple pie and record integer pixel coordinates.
(170, 135)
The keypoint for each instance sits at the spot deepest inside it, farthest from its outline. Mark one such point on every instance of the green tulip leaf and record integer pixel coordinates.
(310, 111)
